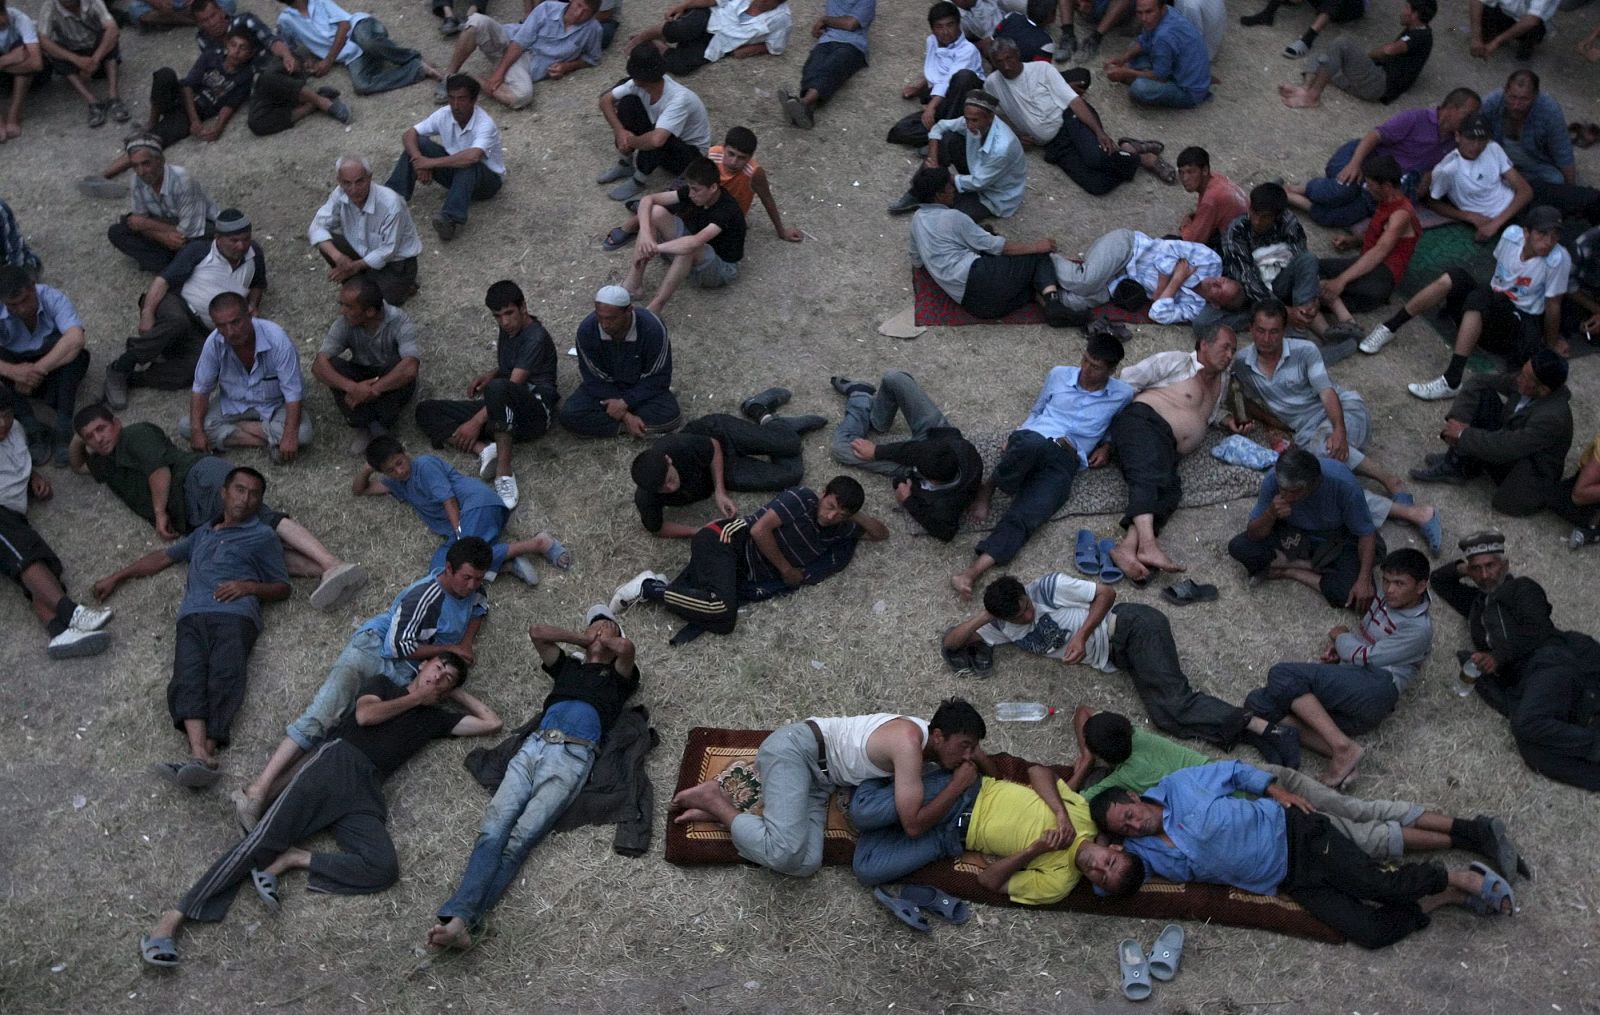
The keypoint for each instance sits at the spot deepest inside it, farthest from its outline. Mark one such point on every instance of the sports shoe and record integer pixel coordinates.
(630, 591)
(116, 393)
(1296, 50)
(1376, 339)
(118, 110)
(487, 458)
(339, 110)
(626, 189)
(796, 111)
(620, 170)
(1066, 44)
(522, 569)
(86, 619)
(1059, 312)
(73, 643)
(1436, 390)
(759, 406)
(1337, 352)
(506, 488)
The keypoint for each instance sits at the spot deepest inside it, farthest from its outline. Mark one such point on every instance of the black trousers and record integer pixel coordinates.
(828, 66)
(336, 790)
(1147, 453)
(754, 457)
(997, 284)
(1369, 292)
(1334, 881)
(1337, 557)
(522, 411)
(210, 654)
(706, 591)
(397, 279)
(689, 35)
(909, 131)
(584, 415)
(165, 356)
(1076, 151)
(1556, 715)
(273, 100)
(1142, 646)
(1507, 331)
(149, 255)
(1522, 488)
(384, 410)
(59, 391)
(674, 156)
(1582, 515)
(166, 104)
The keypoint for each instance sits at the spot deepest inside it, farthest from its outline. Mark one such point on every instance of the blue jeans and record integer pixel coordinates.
(466, 184)
(485, 523)
(1037, 473)
(864, 414)
(1167, 94)
(1335, 204)
(361, 660)
(884, 852)
(540, 784)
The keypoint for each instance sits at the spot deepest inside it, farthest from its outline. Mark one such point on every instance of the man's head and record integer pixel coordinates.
(1418, 12)
(144, 155)
(613, 309)
(1006, 599)
(210, 18)
(387, 455)
(17, 291)
(954, 732)
(1485, 556)
(1112, 870)
(1109, 736)
(738, 148)
(653, 470)
(232, 234)
(978, 110)
(361, 301)
(704, 182)
(231, 316)
(1194, 168)
(1100, 358)
(939, 464)
(1221, 291)
(1543, 375)
(509, 307)
(580, 11)
(1298, 473)
(1268, 202)
(238, 48)
(1473, 136)
(1006, 57)
(461, 92)
(99, 427)
(933, 185)
(1268, 319)
(1522, 88)
(601, 625)
(1541, 230)
(1383, 175)
(646, 65)
(1121, 812)
(1405, 578)
(242, 490)
(944, 21)
(840, 501)
(1459, 104)
(1149, 13)
(438, 677)
(1041, 12)
(465, 563)
(354, 174)
(1216, 349)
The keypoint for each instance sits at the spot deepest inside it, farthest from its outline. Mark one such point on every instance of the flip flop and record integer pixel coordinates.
(1182, 593)
(158, 951)
(982, 658)
(1167, 953)
(930, 900)
(1507, 855)
(1433, 532)
(1135, 970)
(1404, 497)
(616, 239)
(1495, 890)
(266, 887)
(904, 910)
(1110, 573)
(558, 555)
(1087, 553)
(185, 774)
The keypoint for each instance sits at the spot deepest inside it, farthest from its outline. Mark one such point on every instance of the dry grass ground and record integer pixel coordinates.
(92, 849)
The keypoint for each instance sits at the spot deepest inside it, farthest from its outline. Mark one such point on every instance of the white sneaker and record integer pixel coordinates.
(72, 644)
(631, 590)
(1436, 390)
(506, 487)
(1376, 339)
(522, 569)
(85, 619)
(487, 458)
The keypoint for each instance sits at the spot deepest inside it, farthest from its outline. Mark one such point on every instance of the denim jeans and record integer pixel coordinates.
(786, 836)
(486, 523)
(361, 660)
(884, 852)
(1168, 94)
(476, 182)
(382, 66)
(1336, 204)
(866, 414)
(1037, 473)
(540, 784)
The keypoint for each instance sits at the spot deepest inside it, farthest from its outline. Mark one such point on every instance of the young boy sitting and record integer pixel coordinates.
(699, 227)
(451, 505)
(1477, 184)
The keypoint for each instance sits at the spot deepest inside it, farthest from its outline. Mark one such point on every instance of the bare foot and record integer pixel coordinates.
(962, 583)
(699, 797)
(694, 814)
(1300, 98)
(1129, 563)
(452, 934)
(1342, 766)
(1287, 90)
(1157, 558)
(13, 131)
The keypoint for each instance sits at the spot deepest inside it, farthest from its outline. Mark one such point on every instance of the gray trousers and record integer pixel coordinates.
(1373, 825)
(1103, 261)
(866, 414)
(1352, 69)
(787, 836)
(219, 428)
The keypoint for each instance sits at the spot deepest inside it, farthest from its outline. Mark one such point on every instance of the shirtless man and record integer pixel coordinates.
(1178, 396)
(801, 764)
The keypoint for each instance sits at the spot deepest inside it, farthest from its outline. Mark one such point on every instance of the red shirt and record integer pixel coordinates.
(1220, 202)
(1400, 256)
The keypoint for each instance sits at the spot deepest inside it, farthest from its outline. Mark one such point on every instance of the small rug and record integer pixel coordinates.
(711, 752)
(935, 308)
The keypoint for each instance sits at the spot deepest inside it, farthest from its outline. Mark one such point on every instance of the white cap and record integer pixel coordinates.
(613, 296)
(600, 611)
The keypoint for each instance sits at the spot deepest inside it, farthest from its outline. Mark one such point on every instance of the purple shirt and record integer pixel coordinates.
(1414, 140)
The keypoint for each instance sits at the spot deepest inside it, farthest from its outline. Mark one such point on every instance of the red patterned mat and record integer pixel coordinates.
(935, 308)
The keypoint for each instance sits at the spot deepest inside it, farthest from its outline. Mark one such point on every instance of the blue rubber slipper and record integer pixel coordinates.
(266, 887)
(941, 904)
(1110, 573)
(904, 910)
(1433, 532)
(558, 555)
(1167, 953)
(1135, 970)
(1087, 553)
(1495, 891)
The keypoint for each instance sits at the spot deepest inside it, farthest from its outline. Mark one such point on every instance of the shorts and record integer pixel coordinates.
(21, 547)
(710, 271)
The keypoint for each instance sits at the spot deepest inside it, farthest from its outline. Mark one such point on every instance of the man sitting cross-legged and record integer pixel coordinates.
(1064, 432)
(624, 371)
(364, 228)
(798, 538)
(372, 385)
(178, 490)
(698, 227)
(1073, 620)
(42, 358)
(254, 368)
(1362, 673)
(984, 157)
(235, 565)
(453, 507)
(1168, 65)
(718, 453)
(1189, 828)
(1179, 395)
(655, 123)
(513, 403)
(801, 764)
(437, 615)
(554, 40)
(935, 474)
(550, 770)
(340, 790)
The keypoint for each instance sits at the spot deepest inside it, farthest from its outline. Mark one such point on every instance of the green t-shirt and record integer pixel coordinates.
(141, 450)
(1153, 758)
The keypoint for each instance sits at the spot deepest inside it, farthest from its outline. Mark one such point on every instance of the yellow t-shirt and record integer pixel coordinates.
(1008, 817)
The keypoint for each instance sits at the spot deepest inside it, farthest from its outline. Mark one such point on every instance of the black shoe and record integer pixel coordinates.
(1264, 747)
(1285, 741)
(1447, 471)
(905, 206)
(801, 425)
(758, 407)
(847, 387)
(1339, 351)
(1266, 16)
(982, 657)
(958, 659)
(1059, 314)
(1436, 457)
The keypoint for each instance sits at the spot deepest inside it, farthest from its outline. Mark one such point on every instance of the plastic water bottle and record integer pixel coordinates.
(1022, 711)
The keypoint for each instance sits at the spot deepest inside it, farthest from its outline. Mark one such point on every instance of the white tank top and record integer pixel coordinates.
(846, 739)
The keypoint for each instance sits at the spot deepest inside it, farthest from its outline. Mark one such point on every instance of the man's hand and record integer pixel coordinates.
(634, 425)
(902, 491)
(1118, 73)
(1331, 290)
(465, 436)
(227, 592)
(1452, 431)
(821, 25)
(363, 392)
(25, 377)
(1346, 241)
(464, 650)
(1479, 49)
(346, 269)
(1302, 316)
(910, 91)
(1100, 456)
(492, 83)
(1335, 632)
(865, 450)
(964, 776)
(792, 234)
(616, 408)
(208, 131)
(1076, 648)
(725, 504)
(1280, 507)
(320, 68)
(164, 527)
(289, 447)
(978, 512)
(1592, 325)
(1288, 799)
(104, 587)
(1350, 176)
(1338, 444)
(199, 441)
(645, 247)
(1360, 594)
(928, 117)
(794, 577)
(1484, 661)
(1232, 425)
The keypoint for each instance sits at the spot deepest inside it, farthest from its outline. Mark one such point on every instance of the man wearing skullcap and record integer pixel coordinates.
(983, 154)
(625, 362)
(167, 207)
(1508, 616)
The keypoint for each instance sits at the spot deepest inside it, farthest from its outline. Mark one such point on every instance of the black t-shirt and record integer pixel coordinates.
(1031, 40)
(216, 87)
(724, 212)
(529, 349)
(691, 455)
(1403, 70)
(597, 684)
(388, 745)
